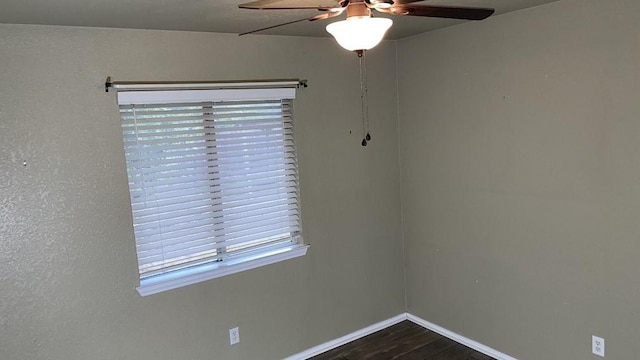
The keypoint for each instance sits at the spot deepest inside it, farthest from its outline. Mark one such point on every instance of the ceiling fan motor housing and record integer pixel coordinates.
(358, 9)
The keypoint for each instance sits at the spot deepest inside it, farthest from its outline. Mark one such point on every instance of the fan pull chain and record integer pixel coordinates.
(363, 98)
(366, 95)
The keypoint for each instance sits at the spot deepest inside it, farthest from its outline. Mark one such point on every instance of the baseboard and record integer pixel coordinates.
(459, 338)
(317, 350)
(329, 345)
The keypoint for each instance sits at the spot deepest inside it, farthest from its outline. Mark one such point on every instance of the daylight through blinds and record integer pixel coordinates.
(210, 180)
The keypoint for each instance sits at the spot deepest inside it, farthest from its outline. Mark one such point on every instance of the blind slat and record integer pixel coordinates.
(167, 196)
(196, 245)
(213, 233)
(188, 137)
(199, 221)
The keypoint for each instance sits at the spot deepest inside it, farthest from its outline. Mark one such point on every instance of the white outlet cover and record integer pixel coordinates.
(597, 345)
(234, 336)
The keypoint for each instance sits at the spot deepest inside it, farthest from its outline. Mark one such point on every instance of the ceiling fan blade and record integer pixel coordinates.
(291, 4)
(447, 12)
(327, 14)
(324, 15)
(275, 26)
(389, 3)
(404, 2)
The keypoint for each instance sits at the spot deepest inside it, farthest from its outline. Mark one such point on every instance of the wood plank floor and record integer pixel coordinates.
(403, 341)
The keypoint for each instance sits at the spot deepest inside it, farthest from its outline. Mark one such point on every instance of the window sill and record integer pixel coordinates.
(184, 277)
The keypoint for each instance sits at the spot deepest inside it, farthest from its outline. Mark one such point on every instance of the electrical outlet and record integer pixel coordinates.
(597, 345)
(234, 336)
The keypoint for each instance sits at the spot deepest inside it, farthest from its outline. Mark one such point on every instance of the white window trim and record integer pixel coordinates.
(211, 270)
(204, 272)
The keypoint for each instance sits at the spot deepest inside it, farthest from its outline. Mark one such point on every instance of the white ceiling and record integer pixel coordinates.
(213, 15)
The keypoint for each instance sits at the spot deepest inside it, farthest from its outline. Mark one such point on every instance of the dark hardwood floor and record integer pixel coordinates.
(403, 341)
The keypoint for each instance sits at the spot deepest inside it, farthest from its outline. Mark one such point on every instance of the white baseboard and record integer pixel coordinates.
(459, 338)
(329, 345)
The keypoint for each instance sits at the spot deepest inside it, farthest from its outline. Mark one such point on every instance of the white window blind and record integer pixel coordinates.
(211, 182)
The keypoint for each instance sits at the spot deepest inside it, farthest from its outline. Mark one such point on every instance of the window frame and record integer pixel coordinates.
(247, 260)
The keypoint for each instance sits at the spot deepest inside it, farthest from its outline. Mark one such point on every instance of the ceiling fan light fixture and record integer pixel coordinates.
(359, 32)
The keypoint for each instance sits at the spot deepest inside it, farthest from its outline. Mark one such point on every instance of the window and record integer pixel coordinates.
(213, 182)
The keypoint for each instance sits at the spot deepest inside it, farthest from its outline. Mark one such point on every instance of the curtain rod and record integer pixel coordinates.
(199, 85)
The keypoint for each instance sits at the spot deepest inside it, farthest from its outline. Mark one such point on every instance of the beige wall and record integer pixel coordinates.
(520, 159)
(67, 260)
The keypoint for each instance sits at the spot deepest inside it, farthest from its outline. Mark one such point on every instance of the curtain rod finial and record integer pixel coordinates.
(107, 84)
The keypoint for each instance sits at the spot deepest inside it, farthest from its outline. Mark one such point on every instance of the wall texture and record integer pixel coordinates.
(68, 268)
(520, 160)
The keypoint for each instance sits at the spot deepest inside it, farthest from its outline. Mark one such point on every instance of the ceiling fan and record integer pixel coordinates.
(361, 31)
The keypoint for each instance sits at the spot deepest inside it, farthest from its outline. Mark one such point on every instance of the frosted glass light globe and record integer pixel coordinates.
(359, 32)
